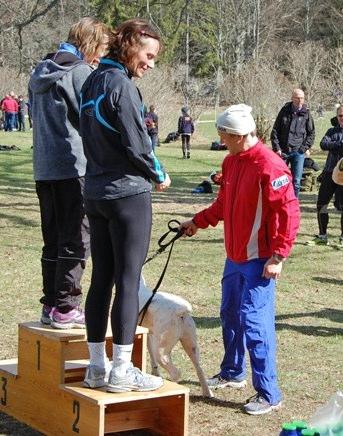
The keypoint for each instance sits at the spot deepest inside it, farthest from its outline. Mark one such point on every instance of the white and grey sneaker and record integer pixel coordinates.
(258, 405)
(134, 380)
(96, 377)
(218, 382)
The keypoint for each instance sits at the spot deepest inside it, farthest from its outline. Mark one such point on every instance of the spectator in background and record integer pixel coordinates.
(320, 110)
(16, 122)
(10, 108)
(186, 130)
(151, 122)
(29, 114)
(21, 113)
(2, 116)
(293, 134)
(59, 167)
(333, 143)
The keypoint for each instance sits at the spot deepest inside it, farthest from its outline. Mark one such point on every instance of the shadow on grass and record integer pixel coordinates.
(217, 402)
(309, 330)
(329, 280)
(330, 246)
(207, 322)
(333, 315)
(19, 220)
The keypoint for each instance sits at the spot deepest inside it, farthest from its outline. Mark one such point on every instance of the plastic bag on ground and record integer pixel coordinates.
(328, 419)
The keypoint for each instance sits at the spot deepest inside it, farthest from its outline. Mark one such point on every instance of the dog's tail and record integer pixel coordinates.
(181, 305)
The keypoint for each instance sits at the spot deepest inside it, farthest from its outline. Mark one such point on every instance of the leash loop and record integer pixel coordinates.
(173, 226)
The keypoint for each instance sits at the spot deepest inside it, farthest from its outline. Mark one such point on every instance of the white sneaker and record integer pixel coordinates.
(257, 405)
(97, 377)
(134, 380)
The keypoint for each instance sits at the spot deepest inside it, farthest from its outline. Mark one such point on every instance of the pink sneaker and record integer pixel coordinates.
(75, 319)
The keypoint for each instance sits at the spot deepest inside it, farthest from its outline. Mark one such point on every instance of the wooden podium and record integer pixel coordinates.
(43, 388)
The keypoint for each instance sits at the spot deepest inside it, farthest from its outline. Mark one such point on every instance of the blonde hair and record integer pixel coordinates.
(88, 35)
(128, 37)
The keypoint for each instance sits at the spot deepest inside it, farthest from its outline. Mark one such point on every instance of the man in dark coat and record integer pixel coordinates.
(293, 134)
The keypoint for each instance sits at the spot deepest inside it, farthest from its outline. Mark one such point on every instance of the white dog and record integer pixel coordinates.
(169, 320)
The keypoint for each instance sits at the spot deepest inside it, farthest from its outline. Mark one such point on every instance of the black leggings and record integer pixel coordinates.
(328, 189)
(186, 143)
(120, 235)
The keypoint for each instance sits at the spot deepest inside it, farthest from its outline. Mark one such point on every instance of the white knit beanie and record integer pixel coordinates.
(236, 119)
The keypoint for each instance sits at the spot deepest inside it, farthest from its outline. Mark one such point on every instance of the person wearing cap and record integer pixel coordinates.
(261, 217)
(293, 134)
(186, 130)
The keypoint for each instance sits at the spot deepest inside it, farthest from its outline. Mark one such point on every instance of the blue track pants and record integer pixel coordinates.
(248, 320)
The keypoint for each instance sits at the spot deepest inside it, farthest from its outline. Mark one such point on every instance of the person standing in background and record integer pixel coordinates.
(186, 130)
(333, 143)
(21, 113)
(293, 134)
(9, 107)
(151, 122)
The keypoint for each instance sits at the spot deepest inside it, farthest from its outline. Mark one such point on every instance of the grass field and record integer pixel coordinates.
(309, 295)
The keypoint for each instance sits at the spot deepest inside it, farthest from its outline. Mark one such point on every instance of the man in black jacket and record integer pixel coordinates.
(293, 134)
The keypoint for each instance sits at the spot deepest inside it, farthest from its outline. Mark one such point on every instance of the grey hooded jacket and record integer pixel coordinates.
(54, 93)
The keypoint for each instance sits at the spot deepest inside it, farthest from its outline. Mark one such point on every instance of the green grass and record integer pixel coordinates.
(309, 303)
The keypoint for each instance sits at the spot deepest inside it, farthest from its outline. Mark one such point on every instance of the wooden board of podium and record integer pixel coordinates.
(43, 388)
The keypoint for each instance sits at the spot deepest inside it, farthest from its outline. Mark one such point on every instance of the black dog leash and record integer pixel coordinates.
(173, 227)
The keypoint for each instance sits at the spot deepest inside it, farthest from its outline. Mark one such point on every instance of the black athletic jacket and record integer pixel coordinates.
(333, 143)
(120, 160)
(293, 131)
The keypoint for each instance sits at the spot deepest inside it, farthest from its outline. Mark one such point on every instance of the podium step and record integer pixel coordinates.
(164, 411)
(43, 388)
(102, 397)
(43, 351)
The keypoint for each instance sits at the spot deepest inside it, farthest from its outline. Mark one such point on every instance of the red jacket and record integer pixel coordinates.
(257, 203)
(9, 105)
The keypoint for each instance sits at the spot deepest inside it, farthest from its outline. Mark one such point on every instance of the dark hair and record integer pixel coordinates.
(128, 37)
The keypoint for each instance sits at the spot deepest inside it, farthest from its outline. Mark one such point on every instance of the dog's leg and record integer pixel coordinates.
(152, 348)
(189, 343)
(168, 337)
(164, 359)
